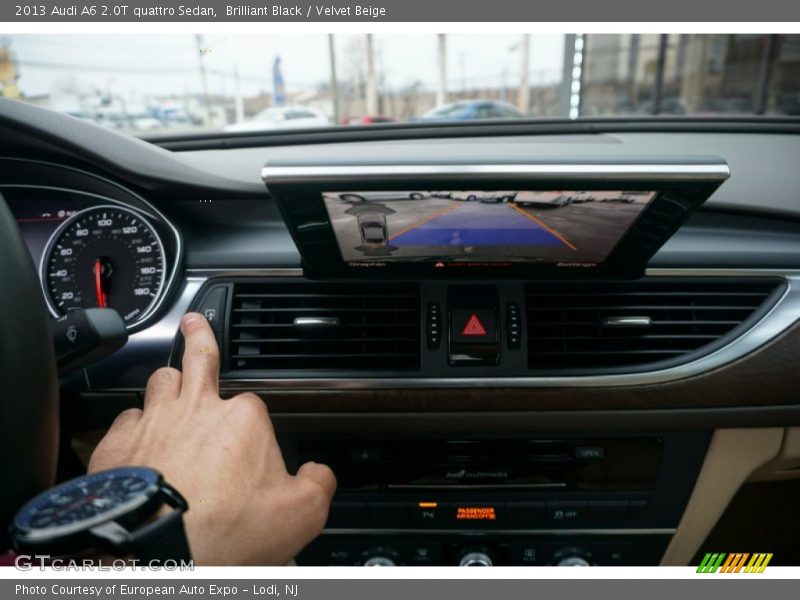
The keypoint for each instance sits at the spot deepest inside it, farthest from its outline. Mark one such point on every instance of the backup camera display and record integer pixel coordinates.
(482, 226)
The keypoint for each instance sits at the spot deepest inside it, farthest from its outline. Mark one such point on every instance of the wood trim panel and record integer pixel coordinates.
(767, 377)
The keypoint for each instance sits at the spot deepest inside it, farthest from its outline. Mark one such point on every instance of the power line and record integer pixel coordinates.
(98, 68)
(171, 72)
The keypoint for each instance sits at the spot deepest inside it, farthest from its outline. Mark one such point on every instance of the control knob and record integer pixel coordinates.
(380, 556)
(573, 561)
(572, 557)
(379, 561)
(475, 559)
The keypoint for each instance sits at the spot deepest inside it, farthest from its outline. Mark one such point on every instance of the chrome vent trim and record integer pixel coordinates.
(783, 314)
(156, 340)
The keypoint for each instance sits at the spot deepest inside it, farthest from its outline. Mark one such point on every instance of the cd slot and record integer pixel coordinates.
(511, 486)
(364, 466)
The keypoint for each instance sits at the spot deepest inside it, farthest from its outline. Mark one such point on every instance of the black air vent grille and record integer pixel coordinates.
(580, 327)
(319, 327)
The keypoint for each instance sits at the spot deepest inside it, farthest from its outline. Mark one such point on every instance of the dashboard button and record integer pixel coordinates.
(435, 325)
(478, 513)
(365, 455)
(472, 317)
(613, 554)
(590, 452)
(513, 326)
(566, 512)
(423, 554)
(527, 553)
(337, 554)
(474, 326)
(213, 308)
(428, 513)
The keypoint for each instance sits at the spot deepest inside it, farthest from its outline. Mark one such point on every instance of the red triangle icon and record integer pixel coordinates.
(474, 326)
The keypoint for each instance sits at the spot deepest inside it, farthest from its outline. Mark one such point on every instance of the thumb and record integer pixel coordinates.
(319, 474)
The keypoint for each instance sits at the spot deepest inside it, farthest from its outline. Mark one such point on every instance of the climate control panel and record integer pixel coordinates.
(486, 551)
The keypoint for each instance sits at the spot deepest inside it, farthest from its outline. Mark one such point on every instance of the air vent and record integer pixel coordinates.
(320, 327)
(601, 326)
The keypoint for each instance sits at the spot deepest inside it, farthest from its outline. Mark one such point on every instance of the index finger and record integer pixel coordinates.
(200, 357)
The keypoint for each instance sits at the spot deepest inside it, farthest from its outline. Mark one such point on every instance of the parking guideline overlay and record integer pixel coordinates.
(481, 226)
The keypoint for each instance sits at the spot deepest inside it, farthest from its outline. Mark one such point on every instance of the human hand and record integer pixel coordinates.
(222, 456)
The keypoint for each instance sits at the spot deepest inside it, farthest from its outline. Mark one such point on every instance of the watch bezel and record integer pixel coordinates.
(77, 535)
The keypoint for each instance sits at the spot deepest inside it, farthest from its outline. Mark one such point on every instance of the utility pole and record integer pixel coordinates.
(334, 81)
(202, 64)
(462, 62)
(524, 97)
(372, 88)
(568, 95)
(238, 92)
(441, 92)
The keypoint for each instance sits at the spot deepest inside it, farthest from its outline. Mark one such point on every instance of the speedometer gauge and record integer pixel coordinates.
(104, 256)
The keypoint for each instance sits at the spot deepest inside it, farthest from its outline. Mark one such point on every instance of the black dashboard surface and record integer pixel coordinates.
(216, 199)
(228, 222)
(764, 176)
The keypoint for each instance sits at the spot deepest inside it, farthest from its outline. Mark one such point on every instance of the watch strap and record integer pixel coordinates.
(163, 539)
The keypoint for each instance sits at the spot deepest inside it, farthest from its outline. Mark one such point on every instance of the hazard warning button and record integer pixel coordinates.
(474, 326)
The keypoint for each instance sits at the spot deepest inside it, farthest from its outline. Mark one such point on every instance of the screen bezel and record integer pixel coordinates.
(680, 189)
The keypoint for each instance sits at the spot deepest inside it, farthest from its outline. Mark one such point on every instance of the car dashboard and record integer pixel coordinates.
(605, 425)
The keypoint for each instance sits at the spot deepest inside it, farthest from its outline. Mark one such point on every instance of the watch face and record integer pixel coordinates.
(86, 501)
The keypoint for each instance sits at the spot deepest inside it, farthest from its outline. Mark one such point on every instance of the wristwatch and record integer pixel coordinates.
(113, 511)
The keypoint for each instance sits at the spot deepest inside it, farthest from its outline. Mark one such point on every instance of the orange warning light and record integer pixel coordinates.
(476, 513)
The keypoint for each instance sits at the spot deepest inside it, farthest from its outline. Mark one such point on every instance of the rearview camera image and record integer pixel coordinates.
(482, 226)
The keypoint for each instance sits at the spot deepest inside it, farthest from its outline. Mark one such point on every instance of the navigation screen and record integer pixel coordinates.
(482, 226)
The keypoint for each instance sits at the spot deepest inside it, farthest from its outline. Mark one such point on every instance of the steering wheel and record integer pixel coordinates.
(28, 378)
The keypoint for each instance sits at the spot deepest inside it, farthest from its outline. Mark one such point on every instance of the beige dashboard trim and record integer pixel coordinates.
(787, 464)
(734, 454)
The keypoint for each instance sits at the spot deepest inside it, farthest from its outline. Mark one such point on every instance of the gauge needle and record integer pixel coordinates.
(98, 284)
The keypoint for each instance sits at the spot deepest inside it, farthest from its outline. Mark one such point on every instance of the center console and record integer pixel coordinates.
(474, 274)
(527, 500)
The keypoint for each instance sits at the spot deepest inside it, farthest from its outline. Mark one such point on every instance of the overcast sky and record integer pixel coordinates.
(138, 65)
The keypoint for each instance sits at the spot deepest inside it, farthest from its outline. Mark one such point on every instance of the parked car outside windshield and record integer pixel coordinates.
(178, 83)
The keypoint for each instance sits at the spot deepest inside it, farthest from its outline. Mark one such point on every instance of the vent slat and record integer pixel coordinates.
(654, 322)
(629, 307)
(320, 356)
(305, 341)
(659, 294)
(567, 331)
(618, 352)
(628, 338)
(376, 327)
(325, 309)
(331, 296)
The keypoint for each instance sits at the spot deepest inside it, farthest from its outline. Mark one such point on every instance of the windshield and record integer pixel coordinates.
(149, 84)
